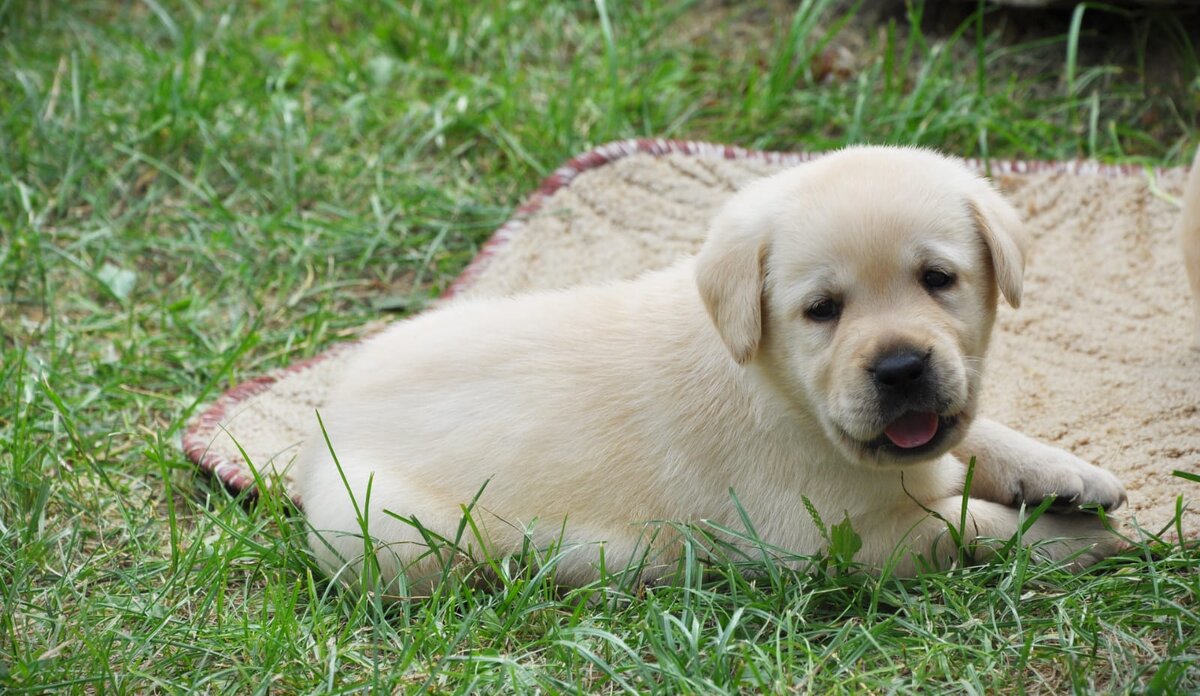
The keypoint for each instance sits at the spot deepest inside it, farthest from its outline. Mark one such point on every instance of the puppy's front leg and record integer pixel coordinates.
(1011, 468)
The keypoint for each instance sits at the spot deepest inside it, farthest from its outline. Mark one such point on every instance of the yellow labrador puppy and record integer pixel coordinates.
(827, 342)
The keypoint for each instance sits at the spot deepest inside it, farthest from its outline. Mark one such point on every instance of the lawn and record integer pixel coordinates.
(195, 191)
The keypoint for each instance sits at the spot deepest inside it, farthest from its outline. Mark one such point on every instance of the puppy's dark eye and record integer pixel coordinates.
(937, 280)
(823, 310)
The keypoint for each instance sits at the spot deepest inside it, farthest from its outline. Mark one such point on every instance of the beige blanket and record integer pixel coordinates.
(1098, 359)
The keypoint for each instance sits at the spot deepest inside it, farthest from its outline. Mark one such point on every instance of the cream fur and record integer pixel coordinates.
(591, 412)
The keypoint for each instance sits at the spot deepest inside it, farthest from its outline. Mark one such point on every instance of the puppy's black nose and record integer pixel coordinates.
(900, 371)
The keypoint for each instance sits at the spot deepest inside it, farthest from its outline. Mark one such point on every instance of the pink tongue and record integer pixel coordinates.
(913, 429)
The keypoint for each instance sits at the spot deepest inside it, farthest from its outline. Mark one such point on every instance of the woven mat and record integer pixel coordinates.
(1097, 360)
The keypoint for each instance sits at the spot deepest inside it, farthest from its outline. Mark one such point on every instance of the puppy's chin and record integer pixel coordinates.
(882, 451)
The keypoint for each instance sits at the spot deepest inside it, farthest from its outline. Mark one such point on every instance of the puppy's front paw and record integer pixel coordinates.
(1015, 469)
(1075, 484)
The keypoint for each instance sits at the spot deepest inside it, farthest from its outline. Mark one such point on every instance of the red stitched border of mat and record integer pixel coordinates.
(198, 436)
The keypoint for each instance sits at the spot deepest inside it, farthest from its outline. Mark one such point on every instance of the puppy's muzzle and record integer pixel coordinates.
(911, 407)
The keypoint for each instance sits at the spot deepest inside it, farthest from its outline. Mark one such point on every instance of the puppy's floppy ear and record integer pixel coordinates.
(1007, 241)
(729, 273)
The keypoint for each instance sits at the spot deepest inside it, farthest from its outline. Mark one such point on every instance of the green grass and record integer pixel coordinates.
(193, 192)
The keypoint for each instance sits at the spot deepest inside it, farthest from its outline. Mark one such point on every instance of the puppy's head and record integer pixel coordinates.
(865, 284)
